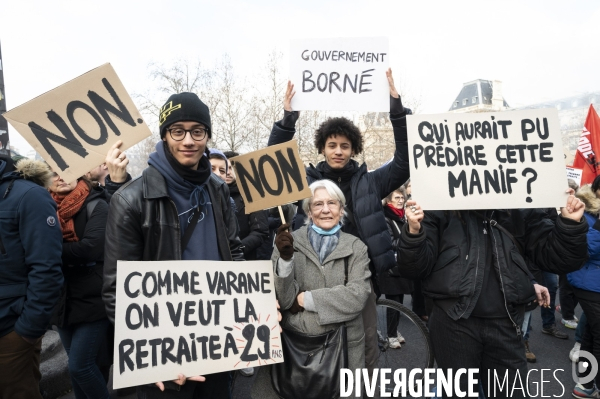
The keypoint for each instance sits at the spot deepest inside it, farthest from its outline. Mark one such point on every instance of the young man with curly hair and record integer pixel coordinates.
(339, 140)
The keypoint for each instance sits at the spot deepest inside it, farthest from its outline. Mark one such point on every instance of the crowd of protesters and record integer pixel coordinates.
(474, 276)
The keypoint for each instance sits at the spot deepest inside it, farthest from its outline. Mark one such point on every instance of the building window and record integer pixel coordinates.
(474, 100)
(455, 104)
(465, 101)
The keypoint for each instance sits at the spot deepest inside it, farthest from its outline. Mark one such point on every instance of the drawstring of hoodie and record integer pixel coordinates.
(199, 196)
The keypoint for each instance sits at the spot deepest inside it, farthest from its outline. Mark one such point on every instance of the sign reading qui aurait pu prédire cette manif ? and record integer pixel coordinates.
(494, 160)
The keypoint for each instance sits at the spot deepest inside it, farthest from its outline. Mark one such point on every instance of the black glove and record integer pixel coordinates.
(284, 242)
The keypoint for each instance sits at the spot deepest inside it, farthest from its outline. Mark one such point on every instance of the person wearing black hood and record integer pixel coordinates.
(150, 216)
(338, 139)
(254, 226)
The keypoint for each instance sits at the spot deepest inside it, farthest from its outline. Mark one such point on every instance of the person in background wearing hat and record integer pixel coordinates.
(254, 227)
(30, 272)
(149, 217)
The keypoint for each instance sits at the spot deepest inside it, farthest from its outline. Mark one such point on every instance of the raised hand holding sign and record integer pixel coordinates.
(74, 125)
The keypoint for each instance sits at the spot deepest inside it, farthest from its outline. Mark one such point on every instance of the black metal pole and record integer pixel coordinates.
(4, 142)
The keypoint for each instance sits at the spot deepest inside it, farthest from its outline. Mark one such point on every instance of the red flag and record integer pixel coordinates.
(586, 157)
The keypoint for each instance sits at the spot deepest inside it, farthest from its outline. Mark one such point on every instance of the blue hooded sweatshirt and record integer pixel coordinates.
(187, 197)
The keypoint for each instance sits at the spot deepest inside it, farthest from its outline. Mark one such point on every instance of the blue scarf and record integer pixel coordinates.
(323, 241)
(197, 193)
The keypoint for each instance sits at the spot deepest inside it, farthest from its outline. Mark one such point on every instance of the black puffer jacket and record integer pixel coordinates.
(254, 227)
(368, 189)
(83, 261)
(143, 225)
(450, 250)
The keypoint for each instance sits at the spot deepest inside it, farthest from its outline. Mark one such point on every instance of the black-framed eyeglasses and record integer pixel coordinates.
(331, 204)
(178, 134)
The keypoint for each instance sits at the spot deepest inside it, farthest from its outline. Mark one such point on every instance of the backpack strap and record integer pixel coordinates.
(91, 206)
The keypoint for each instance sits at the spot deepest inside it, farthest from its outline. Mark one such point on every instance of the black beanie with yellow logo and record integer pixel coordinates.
(184, 107)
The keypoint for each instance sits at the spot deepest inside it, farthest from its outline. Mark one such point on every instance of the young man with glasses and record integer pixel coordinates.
(150, 215)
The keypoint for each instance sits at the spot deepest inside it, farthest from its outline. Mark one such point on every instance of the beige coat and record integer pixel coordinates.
(334, 302)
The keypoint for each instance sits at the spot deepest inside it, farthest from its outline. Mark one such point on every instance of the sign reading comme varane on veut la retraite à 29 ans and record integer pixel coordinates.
(74, 125)
(494, 160)
(340, 74)
(193, 318)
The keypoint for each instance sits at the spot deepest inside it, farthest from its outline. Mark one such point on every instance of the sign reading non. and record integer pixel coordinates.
(193, 318)
(73, 126)
(272, 176)
(340, 74)
(496, 160)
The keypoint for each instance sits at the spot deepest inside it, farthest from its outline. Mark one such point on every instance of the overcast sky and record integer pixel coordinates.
(540, 50)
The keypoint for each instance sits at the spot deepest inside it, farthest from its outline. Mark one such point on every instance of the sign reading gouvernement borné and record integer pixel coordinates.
(73, 126)
(272, 176)
(495, 160)
(340, 74)
(193, 318)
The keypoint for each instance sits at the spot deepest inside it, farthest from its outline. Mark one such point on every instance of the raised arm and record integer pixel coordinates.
(116, 162)
(558, 247)
(419, 241)
(392, 175)
(285, 129)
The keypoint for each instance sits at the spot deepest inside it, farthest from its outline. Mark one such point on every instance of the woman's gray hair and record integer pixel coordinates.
(332, 189)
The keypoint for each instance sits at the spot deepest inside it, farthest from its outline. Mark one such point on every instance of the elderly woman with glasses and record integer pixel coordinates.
(311, 284)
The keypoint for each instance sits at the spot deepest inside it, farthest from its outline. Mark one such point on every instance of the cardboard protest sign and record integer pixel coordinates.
(495, 160)
(575, 174)
(193, 318)
(73, 126)
(340, 74)
(272, 176)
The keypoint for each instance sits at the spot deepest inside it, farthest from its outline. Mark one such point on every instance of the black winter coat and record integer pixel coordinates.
(143, 225)
(393, 284)
(254, 227)
(449, 251)
(83, 262)
(368, 189)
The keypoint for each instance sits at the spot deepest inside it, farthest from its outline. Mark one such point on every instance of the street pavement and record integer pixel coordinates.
(552, 360)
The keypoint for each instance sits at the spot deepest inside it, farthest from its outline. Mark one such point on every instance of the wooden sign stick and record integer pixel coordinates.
(281, 214)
